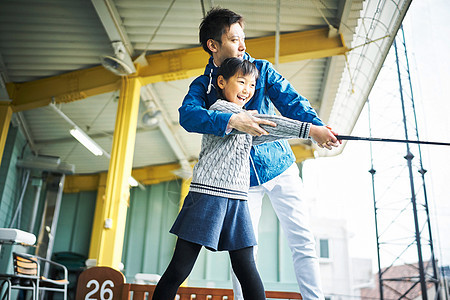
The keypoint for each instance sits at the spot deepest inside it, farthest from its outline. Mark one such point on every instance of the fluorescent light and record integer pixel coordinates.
(92, 146)
(132, 181)
(86, 141)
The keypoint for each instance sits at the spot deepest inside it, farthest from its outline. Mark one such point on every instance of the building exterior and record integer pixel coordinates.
(396, 289)
(342, 276)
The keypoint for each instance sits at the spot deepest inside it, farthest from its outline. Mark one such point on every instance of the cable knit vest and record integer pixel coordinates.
(223, 167)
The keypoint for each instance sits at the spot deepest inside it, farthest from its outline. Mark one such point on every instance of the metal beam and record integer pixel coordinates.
(327, 91)
(185, 63)
(147, 176)
(26, 131)
(167, 66)
(111, 20)
(297, 46)
(64, 88)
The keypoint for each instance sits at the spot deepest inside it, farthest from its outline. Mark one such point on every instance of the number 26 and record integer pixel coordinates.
(105, 292)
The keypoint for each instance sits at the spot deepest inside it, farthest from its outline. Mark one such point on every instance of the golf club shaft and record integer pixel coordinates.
(372, 139)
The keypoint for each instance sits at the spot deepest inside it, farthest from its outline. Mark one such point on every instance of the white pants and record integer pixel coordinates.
(285, 192)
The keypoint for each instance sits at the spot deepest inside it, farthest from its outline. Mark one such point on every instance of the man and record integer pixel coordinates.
(272, 165)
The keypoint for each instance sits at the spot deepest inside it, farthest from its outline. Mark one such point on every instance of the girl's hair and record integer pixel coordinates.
(234, 65)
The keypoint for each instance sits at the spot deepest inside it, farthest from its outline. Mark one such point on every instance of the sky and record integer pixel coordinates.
(341, 186)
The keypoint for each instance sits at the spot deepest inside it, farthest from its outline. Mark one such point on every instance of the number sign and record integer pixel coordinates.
(100, 283)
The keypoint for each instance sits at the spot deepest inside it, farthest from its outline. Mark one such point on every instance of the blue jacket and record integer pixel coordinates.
(266, 160)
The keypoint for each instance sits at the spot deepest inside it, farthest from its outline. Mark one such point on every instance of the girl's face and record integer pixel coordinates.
(238, 89)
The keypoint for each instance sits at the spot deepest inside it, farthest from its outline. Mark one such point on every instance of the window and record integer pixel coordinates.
(324, 249)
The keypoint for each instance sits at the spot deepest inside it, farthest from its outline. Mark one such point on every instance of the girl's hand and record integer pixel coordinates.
(335, 133)
(323, 136)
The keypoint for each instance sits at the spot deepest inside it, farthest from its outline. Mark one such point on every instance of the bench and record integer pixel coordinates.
(107, 283)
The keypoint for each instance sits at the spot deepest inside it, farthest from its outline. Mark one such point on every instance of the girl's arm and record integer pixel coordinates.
(286, 129)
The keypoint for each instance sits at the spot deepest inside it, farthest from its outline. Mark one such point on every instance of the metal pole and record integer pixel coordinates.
(375, 209)
(37, 196)
(277, 36)
(409, 156)
(422, 171)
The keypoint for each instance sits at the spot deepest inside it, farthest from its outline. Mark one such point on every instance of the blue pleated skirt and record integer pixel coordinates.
(217, 223)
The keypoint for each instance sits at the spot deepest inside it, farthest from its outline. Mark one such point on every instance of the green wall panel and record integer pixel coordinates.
(274, 255)
(148, 245)
(287, 274)
(75, 223)
(268, 243)
(11, 180)
(212, 269)
(9, 176)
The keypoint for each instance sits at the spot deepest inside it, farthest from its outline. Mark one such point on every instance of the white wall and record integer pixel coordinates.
(340, 273)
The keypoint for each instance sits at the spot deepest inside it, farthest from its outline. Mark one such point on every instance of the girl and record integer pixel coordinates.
(215, 212)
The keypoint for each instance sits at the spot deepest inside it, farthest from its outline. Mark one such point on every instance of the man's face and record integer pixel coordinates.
(233, 44)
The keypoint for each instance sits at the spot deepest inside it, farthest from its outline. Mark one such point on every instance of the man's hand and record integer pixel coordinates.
(247, 123)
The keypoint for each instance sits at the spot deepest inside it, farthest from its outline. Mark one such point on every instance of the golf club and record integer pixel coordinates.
(372, 139)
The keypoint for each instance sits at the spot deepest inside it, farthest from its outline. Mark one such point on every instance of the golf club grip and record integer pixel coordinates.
(347, 137)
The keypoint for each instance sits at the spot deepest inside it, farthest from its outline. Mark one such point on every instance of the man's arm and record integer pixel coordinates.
(293, 105)
(287, 100)
(195, 117)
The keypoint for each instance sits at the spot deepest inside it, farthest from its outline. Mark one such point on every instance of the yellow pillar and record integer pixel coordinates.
(117, 191)
(185, 183)
(99, 217)
(5, 119)
(302, 152)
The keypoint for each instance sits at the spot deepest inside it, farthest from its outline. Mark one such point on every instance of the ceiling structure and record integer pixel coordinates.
(330, 50)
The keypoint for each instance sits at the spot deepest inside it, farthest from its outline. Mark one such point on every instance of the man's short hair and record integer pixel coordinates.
(217, 22)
